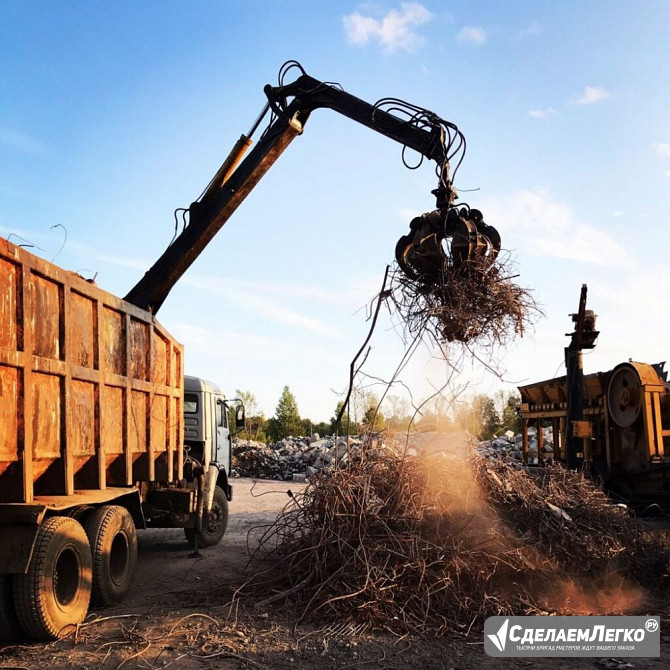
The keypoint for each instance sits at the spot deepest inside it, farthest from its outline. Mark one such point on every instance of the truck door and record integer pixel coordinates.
(222, 435)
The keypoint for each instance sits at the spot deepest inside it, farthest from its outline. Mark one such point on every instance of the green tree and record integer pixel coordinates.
(287, 415)
(509, 411)
(396, 411)
(346, 422)
(479, 416)
(258, 427)
(322, 428)
(272, 429)
(373, 419)
(489, 418)
(305, 426)
(250, 411)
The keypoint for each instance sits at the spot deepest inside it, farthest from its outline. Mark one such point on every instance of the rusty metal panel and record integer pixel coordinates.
(46, 416)
(137, 435)
(112, 420)
(159, 423)
(139, 349)
(45, 316)
(10, 438)
(160, 363)
(82, 331)
(82, 412)
(90, 385)
(10, 302)
(582, 429)
(113, 341)
(552, 393)
(175, 438)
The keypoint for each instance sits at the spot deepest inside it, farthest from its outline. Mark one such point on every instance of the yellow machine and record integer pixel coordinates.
(624, 432)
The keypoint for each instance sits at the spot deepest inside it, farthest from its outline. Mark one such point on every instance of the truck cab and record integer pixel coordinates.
(207, 434)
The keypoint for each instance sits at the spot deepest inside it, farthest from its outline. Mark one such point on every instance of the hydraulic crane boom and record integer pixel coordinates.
(290, 107)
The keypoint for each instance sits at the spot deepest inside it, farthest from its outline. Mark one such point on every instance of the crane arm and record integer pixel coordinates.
(290, 106)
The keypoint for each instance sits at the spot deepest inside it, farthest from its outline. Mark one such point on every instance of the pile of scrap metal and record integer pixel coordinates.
(431, 544)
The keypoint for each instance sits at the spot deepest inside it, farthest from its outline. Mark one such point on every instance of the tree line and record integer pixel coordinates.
(481, 415)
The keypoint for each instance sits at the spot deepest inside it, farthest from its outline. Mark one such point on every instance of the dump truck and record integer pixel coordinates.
(100, 432)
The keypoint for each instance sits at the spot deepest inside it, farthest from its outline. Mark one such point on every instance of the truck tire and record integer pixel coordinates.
(10, 628)
(111, 533)
(80, 513)
(55, 593)
(214, 524)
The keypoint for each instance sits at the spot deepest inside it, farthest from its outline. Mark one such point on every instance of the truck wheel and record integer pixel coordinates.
(54, 594)
(111, 533)
(80, 513)
(214, 524)
(10, 629)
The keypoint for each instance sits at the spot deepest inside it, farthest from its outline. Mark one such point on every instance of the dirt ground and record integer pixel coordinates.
(178, 616)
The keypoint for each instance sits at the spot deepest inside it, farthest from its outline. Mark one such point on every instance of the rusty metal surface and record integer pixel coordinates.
(647, 374)
(90, 385)
(552, 393)
(16, 548)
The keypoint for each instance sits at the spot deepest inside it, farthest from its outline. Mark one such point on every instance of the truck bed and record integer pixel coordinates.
(90, 386)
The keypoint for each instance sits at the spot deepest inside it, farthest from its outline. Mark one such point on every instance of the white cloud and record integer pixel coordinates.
(532, 30)
(667, 173)
(592, 94)
(548, 228)
(22, 142)
(472, 35)
(636, 291)
(252, 301)
(541, 113)
(395, 30)
(662, 149)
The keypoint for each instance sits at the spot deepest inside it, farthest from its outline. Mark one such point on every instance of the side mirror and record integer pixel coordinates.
(239, 418)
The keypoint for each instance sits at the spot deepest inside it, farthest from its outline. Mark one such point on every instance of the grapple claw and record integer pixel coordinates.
(424, 255)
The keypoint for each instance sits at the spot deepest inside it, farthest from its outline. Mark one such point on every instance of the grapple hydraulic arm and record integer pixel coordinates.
(420, 254)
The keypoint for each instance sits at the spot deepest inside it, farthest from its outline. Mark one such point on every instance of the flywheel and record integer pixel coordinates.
(624, 395)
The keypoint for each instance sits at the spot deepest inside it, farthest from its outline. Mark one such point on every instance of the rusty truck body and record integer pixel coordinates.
(91, 444)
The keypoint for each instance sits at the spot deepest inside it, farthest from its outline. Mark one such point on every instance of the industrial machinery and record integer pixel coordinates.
(421, 253)
(100, 432)
(615, 423)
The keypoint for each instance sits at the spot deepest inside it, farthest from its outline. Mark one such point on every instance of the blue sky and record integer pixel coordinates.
(114, 114)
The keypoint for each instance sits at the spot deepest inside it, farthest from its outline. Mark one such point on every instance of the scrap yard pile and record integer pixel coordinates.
(296, 458)
(436, 544)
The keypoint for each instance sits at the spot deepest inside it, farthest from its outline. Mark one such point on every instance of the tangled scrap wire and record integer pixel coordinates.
(573, 521)
(468, 304)
(402, 544)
